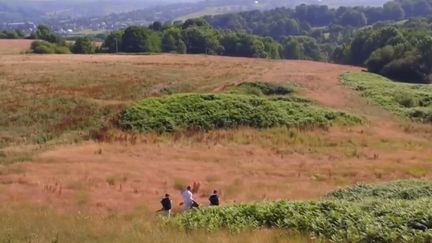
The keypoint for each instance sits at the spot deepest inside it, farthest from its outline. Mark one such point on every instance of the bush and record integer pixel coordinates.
(44, 47)
(262, 89)
(214, 111)
(83, 45)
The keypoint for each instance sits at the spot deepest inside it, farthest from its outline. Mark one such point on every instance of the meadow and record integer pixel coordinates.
(65, 159)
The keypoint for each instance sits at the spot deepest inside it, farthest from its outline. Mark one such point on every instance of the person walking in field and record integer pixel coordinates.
(214, 199)
(188, 198)
(166, 205)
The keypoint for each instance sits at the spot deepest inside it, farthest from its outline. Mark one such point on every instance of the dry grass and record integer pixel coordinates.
(9, 47)
(21, 223)
(243, 164)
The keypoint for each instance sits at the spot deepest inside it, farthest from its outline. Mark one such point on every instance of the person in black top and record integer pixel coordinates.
(214, 199)
(166, 205)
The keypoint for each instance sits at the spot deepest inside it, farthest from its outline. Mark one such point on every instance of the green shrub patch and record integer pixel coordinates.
(222, 111)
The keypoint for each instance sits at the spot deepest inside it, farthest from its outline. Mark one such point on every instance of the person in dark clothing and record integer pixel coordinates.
(214, 199)
(166, 205)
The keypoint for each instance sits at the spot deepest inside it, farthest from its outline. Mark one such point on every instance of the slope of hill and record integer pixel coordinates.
(28, 10)
(62, 152)
(111, 14)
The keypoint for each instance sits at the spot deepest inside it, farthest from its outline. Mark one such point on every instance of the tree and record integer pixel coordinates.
(156, 26)
(43, 32)
(379, 58)
(171, 40)
(113, 42)
(83, 45)
(393, 11)
(293, 49)
(197, 22)
(140, 39)
(353, 18)
(201, 40)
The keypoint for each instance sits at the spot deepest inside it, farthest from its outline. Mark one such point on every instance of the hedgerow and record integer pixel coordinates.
(371, 220)
(412, 101)
(214, 111)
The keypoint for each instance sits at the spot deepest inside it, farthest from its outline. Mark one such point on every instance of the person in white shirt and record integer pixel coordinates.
(188, 198)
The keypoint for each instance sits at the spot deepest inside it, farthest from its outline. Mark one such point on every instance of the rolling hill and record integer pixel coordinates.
(66, 161)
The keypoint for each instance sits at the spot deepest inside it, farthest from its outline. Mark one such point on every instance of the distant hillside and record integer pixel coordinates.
(37, 10)
(112, 14)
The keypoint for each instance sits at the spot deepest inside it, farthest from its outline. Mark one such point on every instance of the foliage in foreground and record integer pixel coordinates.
(406, 100)
(22, 223)
(371, 220)
(215, 111)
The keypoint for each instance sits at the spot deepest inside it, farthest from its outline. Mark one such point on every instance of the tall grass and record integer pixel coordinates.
(22, 223)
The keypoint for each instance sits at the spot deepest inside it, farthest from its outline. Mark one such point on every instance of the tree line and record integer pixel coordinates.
(194, 36)
(398, 51)
(303, 19)
(12, 34)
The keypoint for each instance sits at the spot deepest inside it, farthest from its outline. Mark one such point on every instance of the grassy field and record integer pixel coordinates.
(62, 153)
(10, 47)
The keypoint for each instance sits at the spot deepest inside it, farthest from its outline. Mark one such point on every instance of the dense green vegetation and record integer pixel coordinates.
(213, 111)
(407, 100)
(15, 34)
(83, 45)
(193, 36)
(45, 47)
(401, 52)
(371, 36)
(405, 189)
(261, 89)
(377, 219)
(282, 22)
(49, 43)
(374, 37)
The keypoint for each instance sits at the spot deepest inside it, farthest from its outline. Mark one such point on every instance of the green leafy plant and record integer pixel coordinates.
(383, 215)
(412, 101)
(222, 111)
